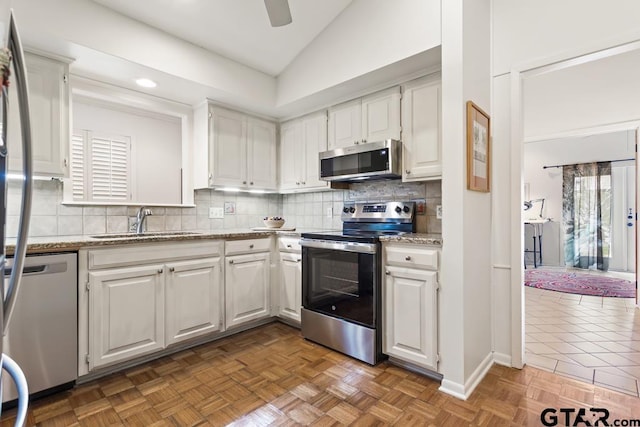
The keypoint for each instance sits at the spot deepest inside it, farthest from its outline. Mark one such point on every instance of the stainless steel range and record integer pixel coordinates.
(342, 278)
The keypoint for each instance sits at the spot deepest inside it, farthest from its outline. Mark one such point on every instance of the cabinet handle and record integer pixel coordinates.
(408, 171)
(172, 269)
(244, 182)
(230, 261)
(289, 246)
(303, 183)
(387, 272)
(356, 142)
(251, 246)
(298, 260)
(160, 271)
(408, 258)
(297, 182)
(251, 183)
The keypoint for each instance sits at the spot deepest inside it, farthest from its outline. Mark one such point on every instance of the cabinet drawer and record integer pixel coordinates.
(247, 246)
(416, 257)
(289, 244)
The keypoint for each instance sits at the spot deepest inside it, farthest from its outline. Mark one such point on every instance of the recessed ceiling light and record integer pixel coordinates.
(146, 83)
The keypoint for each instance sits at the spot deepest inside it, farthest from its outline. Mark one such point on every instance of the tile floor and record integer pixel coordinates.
(594, 339)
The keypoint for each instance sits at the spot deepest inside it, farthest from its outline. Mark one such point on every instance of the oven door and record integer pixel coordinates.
(341, 279)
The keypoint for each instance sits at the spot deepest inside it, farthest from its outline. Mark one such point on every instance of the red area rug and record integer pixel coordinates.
(579, 283)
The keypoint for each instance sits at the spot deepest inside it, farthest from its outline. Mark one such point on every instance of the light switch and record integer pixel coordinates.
(329, 212)
(439, 211)
(216, 213)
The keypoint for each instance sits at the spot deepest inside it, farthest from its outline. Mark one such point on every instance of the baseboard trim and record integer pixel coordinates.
(502, 359)
(463, 391)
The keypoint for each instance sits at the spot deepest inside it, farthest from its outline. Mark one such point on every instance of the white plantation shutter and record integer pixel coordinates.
(78, 168)
(106, 171)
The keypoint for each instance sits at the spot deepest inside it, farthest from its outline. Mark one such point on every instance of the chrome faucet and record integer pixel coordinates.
(143, 213)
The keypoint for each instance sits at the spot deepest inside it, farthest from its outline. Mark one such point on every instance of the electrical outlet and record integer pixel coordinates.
(439, 211)
(329, 212)
(216, 213)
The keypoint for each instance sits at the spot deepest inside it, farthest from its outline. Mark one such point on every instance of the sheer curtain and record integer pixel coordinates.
(586, 214)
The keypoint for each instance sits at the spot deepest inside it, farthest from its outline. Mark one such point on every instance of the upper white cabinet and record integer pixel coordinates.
(422, 151)
(49, 106)
(301, 141)
(375, 117)
(233, 149)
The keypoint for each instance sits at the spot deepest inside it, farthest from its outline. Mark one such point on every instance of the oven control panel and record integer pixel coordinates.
(378, 212)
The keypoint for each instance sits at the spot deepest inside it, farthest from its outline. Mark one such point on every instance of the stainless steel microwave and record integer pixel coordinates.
(368, 161)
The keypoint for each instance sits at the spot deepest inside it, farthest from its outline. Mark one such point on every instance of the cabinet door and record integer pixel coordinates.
(314, 129)
(421, 131)
(345, 124)
(261, 151)
(410, 316)
(126, 313)
(291, 153)
(381, 115)
(228, 162)
(49, 106)
(193, 300)
(291, 286)
(247, 288)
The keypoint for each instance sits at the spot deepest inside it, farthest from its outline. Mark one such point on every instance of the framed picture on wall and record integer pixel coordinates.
(478, 149)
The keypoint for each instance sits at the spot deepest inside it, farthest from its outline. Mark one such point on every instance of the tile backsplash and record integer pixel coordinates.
(320, 210)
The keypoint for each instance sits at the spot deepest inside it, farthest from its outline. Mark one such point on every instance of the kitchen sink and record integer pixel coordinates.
(147, 234)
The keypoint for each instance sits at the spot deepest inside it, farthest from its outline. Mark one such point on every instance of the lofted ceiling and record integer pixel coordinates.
(236, 29)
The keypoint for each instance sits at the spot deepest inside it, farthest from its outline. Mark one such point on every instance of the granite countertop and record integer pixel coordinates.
(416, 238)
(74, 243)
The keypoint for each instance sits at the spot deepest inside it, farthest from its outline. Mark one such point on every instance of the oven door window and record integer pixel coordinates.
(341, 284)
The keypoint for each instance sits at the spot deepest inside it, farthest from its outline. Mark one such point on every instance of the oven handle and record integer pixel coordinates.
(364, 248)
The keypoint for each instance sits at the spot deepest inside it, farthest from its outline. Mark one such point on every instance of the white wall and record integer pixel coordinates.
(537, 32)
(156, 147)
(547, 183)
(529, 30)
(465, 294)
(368, 35)
(586, 95)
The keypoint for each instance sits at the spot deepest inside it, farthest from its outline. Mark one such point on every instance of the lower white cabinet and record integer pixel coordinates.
(247, 290)
(290, 286)
(193, 298)
(410, 308)
(135, 300)
(126, 313)
(411, 315)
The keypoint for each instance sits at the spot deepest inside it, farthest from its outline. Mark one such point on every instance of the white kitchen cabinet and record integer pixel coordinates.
(49, 106)
(232, 149)
(193, 295)
(421, 136)
(126, 313)
(247, 290)
(301, 141)
(375, 117)
(290, 292)
(261, 154)
(134, 300)
(410, 311)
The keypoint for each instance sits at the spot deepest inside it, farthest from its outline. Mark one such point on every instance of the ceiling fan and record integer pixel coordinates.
(278, 11)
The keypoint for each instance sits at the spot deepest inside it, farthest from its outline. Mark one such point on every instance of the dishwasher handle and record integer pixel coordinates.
(32, 270)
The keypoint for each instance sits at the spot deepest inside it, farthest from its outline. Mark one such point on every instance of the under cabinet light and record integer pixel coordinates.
(20, 177)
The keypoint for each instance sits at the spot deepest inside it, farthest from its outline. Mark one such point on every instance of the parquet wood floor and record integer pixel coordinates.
(272, 376)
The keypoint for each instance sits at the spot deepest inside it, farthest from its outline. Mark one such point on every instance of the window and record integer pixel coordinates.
(100, 166)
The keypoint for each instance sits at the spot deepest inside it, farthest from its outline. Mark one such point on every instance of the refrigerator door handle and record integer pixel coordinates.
(15, 46)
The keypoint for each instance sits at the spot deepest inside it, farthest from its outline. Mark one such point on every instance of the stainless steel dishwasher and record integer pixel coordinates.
(43, 332)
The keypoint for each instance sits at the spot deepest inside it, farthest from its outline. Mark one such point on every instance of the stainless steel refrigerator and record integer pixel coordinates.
(17, 81)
